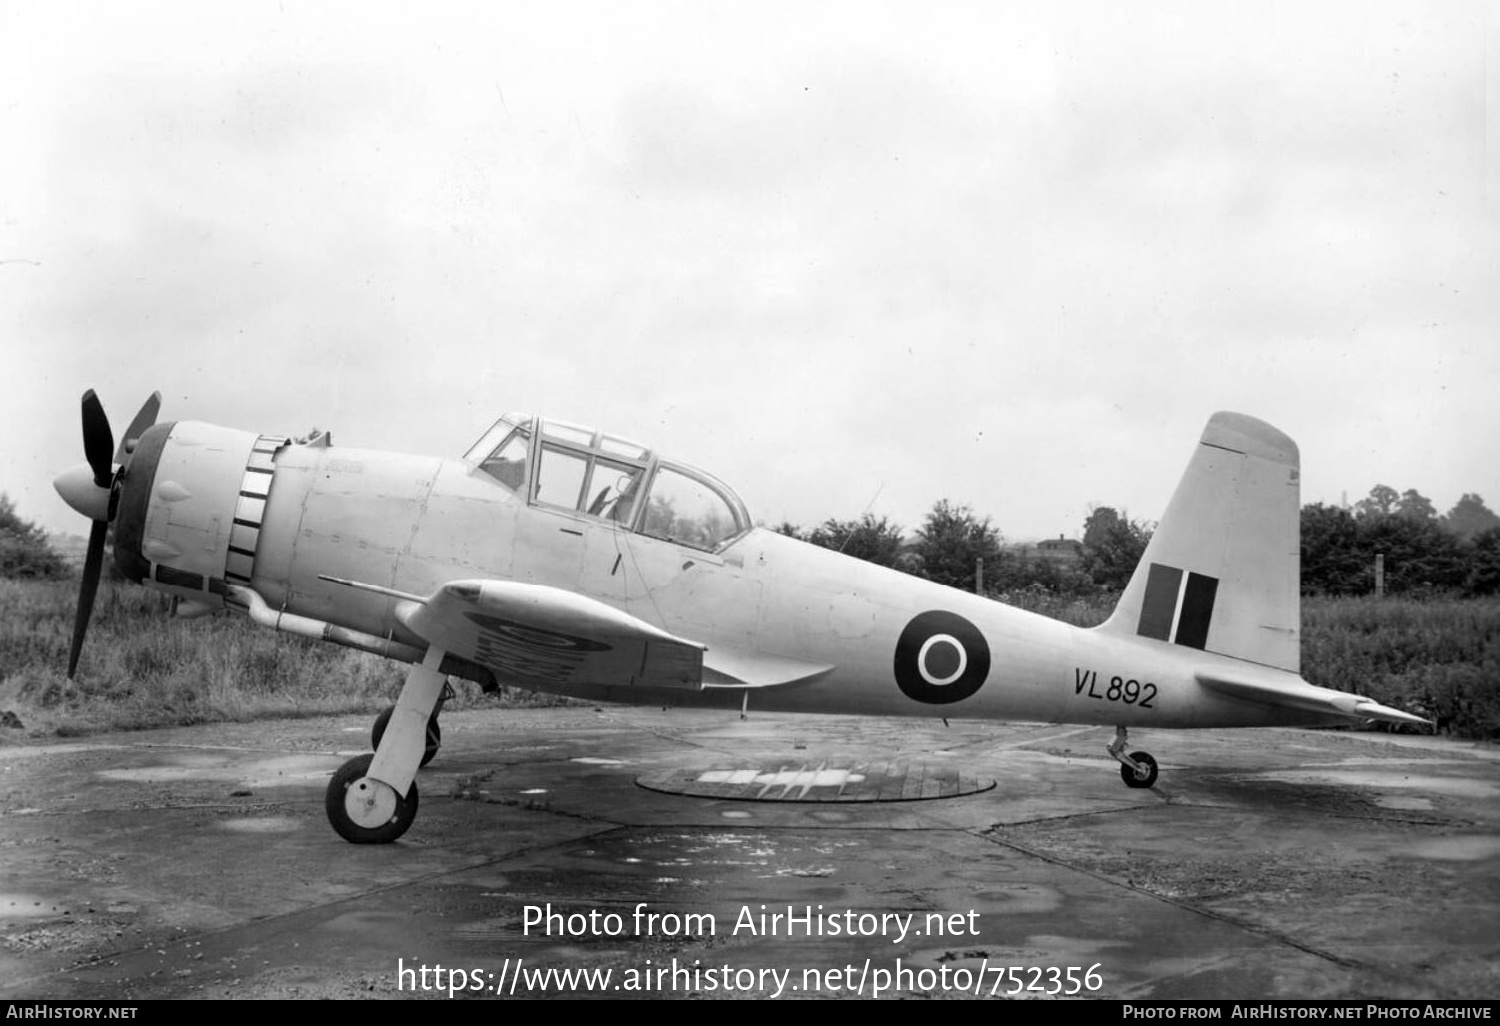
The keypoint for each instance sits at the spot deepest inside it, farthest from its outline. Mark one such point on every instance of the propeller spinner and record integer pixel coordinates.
(93, 488)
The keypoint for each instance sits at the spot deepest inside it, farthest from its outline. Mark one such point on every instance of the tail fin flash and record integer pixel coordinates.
(1222, 570)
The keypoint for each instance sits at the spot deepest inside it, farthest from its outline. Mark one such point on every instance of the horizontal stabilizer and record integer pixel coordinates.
(1294, 693)
(539, 636)
(726, 668)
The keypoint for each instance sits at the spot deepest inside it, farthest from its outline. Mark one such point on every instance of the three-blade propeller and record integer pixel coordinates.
(93, 489)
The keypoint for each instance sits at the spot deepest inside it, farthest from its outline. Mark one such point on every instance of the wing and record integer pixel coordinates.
(1295, 693)
(539, 636)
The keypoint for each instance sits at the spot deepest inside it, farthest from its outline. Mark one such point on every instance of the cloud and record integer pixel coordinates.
(1014, 260)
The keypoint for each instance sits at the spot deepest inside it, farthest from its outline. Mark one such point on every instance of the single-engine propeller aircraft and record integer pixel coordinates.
(556, 557)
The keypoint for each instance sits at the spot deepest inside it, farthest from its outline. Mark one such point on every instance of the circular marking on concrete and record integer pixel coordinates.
(818, 782)
(940, 658)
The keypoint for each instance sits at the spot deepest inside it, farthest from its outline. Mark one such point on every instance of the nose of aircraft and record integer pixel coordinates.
(77, 488)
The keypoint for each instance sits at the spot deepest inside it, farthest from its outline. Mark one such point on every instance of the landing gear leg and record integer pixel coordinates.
(1137, 769)
(372, 800)
(434, 729)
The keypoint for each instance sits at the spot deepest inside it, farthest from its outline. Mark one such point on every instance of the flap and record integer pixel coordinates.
(539, 636)
(729, 668)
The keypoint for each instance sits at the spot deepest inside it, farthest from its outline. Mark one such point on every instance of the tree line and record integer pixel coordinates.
(1422, 553)
(958, 547)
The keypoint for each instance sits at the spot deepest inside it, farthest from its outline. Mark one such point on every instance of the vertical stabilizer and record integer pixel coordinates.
(1222, 571)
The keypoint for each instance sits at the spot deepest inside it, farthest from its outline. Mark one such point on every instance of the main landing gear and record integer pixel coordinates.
(1137, 769)
(434, 730)
(372, 799)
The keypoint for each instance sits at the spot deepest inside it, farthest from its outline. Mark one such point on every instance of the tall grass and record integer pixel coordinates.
(1439, 658)
(1089, 611)
(142, 667)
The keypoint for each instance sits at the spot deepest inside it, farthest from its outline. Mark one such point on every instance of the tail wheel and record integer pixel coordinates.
(434, 734)
(1134, 779)
(365, 811)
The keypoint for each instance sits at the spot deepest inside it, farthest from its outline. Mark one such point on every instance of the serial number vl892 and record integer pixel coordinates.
(1119, 689)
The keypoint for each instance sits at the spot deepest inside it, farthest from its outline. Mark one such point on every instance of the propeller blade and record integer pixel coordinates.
(138, 427)
(98, 440)
(92, 563)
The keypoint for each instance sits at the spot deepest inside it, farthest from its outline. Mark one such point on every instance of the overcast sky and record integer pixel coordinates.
(844, 256)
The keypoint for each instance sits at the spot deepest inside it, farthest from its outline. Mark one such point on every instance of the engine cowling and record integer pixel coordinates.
(191, 506)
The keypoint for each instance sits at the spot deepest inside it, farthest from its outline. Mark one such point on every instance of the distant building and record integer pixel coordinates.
(1070, 549)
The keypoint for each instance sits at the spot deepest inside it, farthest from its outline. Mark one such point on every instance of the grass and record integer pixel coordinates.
(1437, 657)
(143, 668)
(1080, 612)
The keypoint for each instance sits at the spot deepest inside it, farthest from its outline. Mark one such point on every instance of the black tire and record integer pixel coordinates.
(1128, 775)
(434, 734)
(346, 777)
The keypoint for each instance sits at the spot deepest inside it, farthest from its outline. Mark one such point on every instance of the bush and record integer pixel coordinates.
(1438, 658)
(25, 553)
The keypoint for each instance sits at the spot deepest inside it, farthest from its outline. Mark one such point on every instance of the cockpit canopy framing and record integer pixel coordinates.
(565, 467)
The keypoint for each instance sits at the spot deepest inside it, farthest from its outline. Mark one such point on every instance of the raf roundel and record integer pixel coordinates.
(941, 658)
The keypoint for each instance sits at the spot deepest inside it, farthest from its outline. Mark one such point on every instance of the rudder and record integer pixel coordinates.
(1222, 570)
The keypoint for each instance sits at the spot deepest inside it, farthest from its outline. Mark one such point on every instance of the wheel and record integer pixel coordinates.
(434, 734)
(371, 801)
(1129, 776)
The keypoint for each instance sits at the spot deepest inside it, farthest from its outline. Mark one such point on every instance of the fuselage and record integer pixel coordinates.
(231, 506)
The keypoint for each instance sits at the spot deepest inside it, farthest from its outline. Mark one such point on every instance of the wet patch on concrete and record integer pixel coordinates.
(1458, 849)
(262, 825)
(27, 906)
(1403, 804)
(1019, 898)
(1389, 779)
(1223, 857)
(286, 771)
(36, 751)
(1290, 792)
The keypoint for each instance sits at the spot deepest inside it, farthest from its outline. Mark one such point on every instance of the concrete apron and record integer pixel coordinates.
(197, 862)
